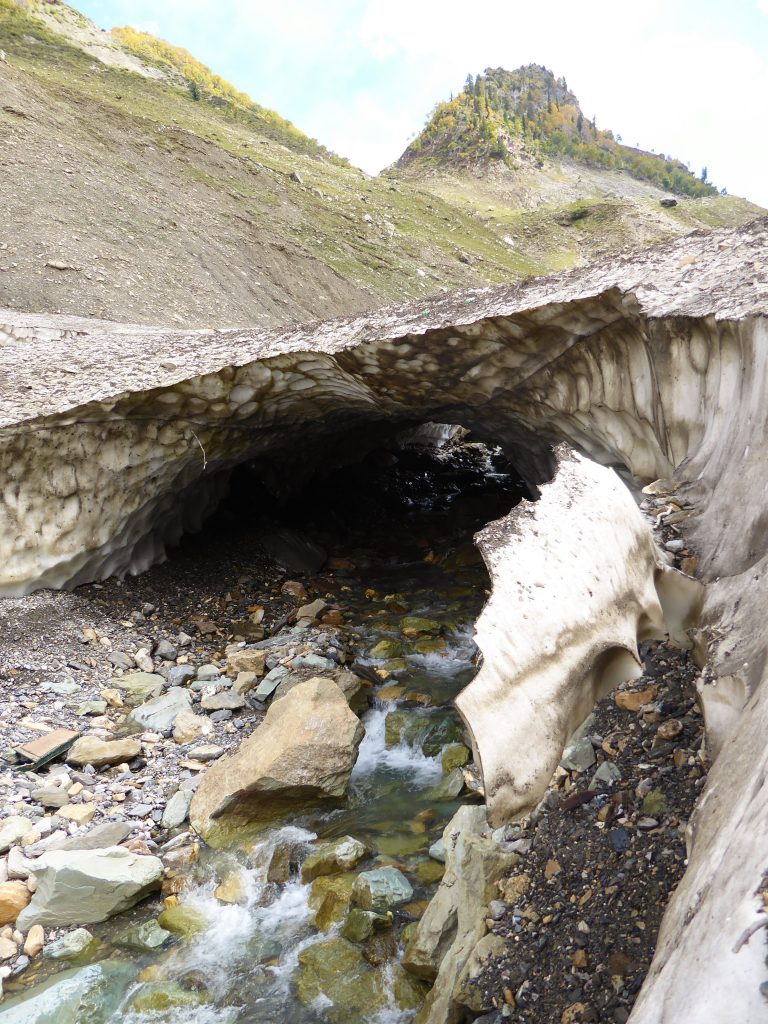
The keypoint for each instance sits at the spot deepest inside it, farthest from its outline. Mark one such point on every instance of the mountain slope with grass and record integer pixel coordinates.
(136, 184)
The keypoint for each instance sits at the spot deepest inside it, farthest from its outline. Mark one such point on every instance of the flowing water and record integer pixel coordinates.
(407, 528)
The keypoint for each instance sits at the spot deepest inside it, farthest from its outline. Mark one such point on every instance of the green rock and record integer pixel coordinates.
(359, 925)
(455, 755)
(385, 650)
(144, 937)
(139, 686)
(429, 871)
(330, 858)
(415, 625)
(381, 889)
(337, 970)
(183, 920)
(401, 844)
(68, 946)
(396, 665)
(81, 995)
(429, 731)
(449, 787)
(161, 996)
(655, 804)
(92, 707)
(430, 645)
(330, 897)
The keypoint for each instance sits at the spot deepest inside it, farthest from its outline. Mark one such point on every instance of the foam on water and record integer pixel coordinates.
(375, 756)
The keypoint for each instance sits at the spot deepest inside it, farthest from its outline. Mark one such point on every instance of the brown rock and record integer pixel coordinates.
(14, 896)
(101, 753)
(246, 660)
(304, 749)
(35, 940)
(633, 700)
(668, 730)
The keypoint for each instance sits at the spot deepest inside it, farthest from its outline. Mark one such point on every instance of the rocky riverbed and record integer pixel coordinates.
(320, 902)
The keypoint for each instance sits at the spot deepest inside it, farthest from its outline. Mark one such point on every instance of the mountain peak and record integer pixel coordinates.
(530, 116)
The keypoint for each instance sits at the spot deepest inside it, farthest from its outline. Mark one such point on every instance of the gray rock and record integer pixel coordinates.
(13, 830)
(313, 610)
(496, 909)
(68, 946)
(449, 787)
(381, 889)
(222, 715)
(87, 886)
(178, 675)
(50, 796)
(111, 833)
(166, 651)
(144, 937)
(176, 809)
(437, 850)
(315, 662)
(160, 713)
(206, 673)
(81, 995)
(92, 707)
(294, 551)
(606, 775)
(270, 682)
(206, 752)
(121, 660)
(578, 756)
(224, 700)
(138, 685)
(63, 687)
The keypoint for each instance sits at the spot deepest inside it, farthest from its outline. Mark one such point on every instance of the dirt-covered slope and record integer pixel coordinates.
(137, 185)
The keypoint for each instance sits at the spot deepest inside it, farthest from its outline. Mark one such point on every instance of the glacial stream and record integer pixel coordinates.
(407, 524)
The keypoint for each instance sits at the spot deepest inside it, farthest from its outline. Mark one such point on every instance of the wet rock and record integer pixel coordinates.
(437, 851)
(101, 753)
(311, 611)
(340, 855)
(234, 888)
(144, 937)
(454, 921)
(430, 732)
(184, 920)
(68, 946)
(384, 650)
(335, 969)
(455, 755)
(381, 889)
(160, 997)
(413, 626)
(329, 897)
(380, 948)
(360, 924)
(87, 886)
(81, 995)
(304, 749)
(161, 712)
(449, 787)
(294, 551)
(176, 809)
(294, 589)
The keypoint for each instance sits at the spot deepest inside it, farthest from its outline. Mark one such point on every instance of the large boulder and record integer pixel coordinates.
(454, 922)
(304, 749)
(81, 995)
(87, 886)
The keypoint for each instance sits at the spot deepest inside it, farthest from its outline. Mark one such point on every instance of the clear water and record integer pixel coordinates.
(246, 958)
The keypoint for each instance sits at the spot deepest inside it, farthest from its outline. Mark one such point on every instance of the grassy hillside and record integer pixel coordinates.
(127, 193)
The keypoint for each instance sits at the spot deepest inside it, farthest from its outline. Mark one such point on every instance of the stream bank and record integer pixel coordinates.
(248, 941)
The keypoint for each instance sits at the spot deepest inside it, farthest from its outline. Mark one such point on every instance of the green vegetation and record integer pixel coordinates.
(503, 115)
(203, 84)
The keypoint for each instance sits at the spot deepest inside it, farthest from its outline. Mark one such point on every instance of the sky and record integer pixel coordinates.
(688, 78)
